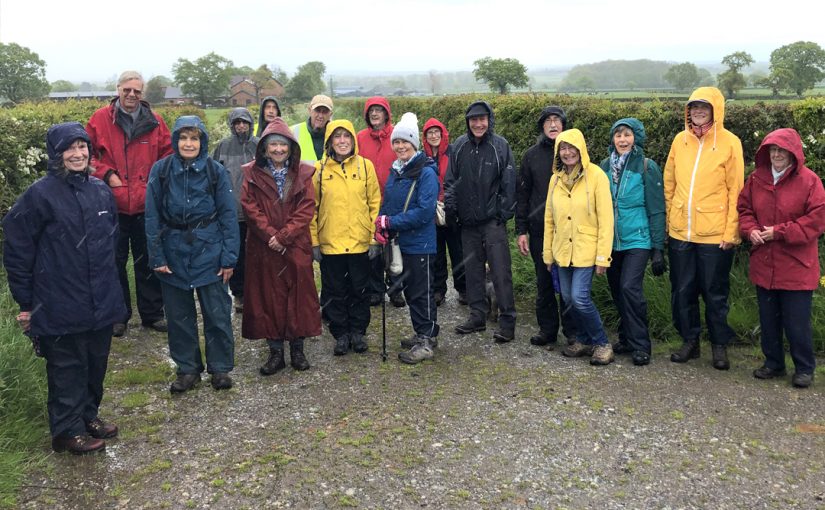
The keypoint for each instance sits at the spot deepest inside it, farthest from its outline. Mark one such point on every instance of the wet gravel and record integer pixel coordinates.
(481, 426)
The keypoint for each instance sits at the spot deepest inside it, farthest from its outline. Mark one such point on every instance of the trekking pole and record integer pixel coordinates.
(384, 306)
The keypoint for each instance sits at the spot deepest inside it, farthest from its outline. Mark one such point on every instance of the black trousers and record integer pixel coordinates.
(344, 298)
(788, 310)
(378, 280)
(700, 269)
(75, 369)
(236, 282)
(448, 238)
(147, 285)
(416, 281)
(488, 243)
(547, 311)
(625, 276)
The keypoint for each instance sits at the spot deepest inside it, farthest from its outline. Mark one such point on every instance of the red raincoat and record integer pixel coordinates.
(376, 146)
(443, 152)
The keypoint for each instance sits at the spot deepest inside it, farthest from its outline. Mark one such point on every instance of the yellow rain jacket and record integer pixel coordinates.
(347, 199)
(703, 178)
(578, 219)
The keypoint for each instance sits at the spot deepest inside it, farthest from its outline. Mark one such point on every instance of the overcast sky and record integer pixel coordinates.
(94, 40)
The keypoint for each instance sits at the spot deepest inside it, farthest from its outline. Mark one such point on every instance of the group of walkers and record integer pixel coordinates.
(255, 215)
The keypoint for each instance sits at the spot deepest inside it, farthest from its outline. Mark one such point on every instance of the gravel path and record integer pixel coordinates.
(481, 426)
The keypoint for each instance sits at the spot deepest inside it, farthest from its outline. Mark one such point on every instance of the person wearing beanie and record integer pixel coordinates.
(232, 152)
(59, 253)
(480, 195)
(408, 213)
(311, 135)
(531, 195)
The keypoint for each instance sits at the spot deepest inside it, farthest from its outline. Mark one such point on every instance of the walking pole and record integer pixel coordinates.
(384, 305)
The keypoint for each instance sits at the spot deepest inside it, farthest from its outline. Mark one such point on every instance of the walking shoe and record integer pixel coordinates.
(622, 347)
(99, 429)
(296, 355)
(802, 380)
(119, 329)
(462, 298)
(78, 445)
(397, 300)
(341, 345)
(158, 325)
(418, 353)
(542, 339)
(409, 343)
(570, 339)
(503, 335)
(764, 372)
(274, 363)
(640, 358)
(359, 343)
(602, 355)
(221, 381)
(689, 350)
(471, 325)
(577, 350)
(439, 298)
(720, 357)
(185, 382)
(376, 299)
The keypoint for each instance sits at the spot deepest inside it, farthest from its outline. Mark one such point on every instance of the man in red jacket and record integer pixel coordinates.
(127, 139)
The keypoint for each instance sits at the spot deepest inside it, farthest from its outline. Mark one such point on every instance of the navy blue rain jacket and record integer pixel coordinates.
(59, 250)
(416, 226)
(191, 223)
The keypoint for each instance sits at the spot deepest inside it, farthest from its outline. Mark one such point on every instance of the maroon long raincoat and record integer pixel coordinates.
(280, 297)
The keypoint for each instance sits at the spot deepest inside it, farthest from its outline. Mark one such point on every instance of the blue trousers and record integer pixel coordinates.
(575, 285)
(417, 283)
(184, 344)
(788, 310)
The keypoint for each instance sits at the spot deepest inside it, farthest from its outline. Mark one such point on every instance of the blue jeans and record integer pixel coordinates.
(575, 285)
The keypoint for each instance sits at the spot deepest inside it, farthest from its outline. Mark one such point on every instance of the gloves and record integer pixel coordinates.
(374, 251)
(382, 222)
(380, 236)
(316, 254)
(657, 262)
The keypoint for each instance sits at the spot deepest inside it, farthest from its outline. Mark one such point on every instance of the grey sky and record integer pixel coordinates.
(96, 39)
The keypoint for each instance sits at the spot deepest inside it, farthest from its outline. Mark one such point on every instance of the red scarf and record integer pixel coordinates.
(700, 131)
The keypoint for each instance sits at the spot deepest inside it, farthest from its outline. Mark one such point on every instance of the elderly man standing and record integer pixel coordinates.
(127, 139)
(480, 194)
(310, 134)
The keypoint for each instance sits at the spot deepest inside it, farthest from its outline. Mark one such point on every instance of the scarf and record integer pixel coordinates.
(617, 164)
(279, 174)
(700, 131)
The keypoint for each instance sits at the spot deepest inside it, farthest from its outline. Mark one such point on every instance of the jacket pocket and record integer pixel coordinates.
(587, 230)
(677, 217)
(710, 219)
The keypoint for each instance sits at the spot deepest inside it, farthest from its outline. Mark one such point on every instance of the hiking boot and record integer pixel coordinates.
(185, 382)
(397, 300)
(764, 372)
(358, 342)
(158, 325)
(570, 339)
(578, 350)
(640, 358)
(418, 353)
(99, 429)
(78, 445)
(462, 298)
(504, 335)
(221, 381)
(542, 339)
(689, 350)
(341, 345)
(274, 363)
(471, 325)
(602, 355)
(720, 357)
(802, 380)
(376, 299)
(119, 329)
(622, 347)
(409, 343)
(296, 355)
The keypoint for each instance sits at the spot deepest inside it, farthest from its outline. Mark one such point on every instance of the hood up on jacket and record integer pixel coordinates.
(575, 138)
(278, 127)
(785, 138)
(331, 127)
(243, 114)
(445, 136)
(383, 103)
(191, 121)
(635, 125)
(261, 121)
(58, 138)
(480, 106)
(714, 97)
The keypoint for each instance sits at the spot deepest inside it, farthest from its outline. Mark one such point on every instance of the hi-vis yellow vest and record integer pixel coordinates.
(301, 133)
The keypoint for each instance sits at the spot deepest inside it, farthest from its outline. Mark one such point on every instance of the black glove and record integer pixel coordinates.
(657, 262)
(373, 251)
(316, 254)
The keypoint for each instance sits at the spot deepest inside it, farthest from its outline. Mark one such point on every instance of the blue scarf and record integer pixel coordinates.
(617, 164)
(279, 175)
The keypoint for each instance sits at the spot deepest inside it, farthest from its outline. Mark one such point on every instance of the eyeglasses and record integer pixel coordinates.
(129, 91)
(553, 120)
(432, 133)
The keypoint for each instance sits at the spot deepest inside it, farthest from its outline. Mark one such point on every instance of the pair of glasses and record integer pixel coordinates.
(129, 91)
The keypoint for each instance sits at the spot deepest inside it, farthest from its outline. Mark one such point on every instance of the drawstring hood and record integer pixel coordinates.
(714, 97)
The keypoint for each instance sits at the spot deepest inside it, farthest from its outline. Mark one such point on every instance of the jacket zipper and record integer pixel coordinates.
(690, 192)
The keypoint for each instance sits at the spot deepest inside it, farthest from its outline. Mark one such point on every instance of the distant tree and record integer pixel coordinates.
(279, 74)
(799, 66)
(706, 79)
(435, 81)
(22, 74)
(631, 85)
(207, 78)
(585, 84)
(684, 76)
(732, 80)
(774, 81)
(755, 78)
(63, 86)
(85, 86)
(241, 71)
(500, 73)
(155, 88)
(307, 82)
(397, 83)
(260, 78)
